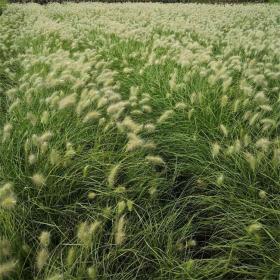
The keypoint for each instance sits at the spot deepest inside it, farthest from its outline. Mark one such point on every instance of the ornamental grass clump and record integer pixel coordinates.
(139, 141)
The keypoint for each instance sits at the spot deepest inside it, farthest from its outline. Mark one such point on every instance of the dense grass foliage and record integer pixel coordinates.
(146, 1)
(3, 4)
(139, 141)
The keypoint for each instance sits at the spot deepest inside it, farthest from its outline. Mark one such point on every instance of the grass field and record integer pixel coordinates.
(140, 141)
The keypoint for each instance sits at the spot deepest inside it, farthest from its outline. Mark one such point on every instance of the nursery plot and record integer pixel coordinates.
(139, 141)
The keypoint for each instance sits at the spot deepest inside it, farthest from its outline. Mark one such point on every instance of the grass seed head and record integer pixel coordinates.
(120, 231)
(38, 180)
(263, 143)
(121, 207)
(71, 255)
(165, 116)
(44, 238)
(262, 194)
(67, 102)
(55, 157)
(45, 117)
(7, 196)
(155, 160)
(7, 268)
(131, 125)
(91, 116)
(5, 248)
(149, 127)
(42, 258)
(224, 100)
(92, 273)
(220, 180)
(251, 159)
(253, 228)
(32, 118)
(134, 143)
(113, 175)
(91, 195)
(224, 130)
(215, 149)
(32, 159)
